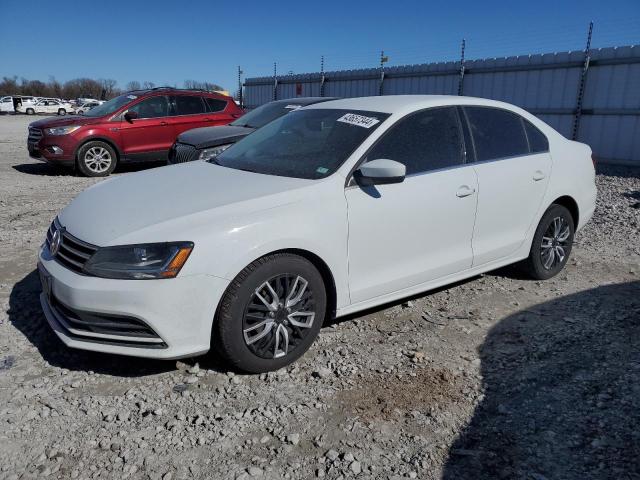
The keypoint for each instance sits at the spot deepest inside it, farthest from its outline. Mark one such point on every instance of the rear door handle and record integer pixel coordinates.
(538, 175)
(163, 123)
(465, 191)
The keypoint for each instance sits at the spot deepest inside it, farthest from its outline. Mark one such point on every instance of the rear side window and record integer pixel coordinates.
(537, 140)
(152, 107)
(189, 105)
(215, 105)
(496, 133)
(423, 141)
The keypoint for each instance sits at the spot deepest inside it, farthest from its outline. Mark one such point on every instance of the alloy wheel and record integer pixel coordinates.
(279, 315)
(97, 159)
(555, 241)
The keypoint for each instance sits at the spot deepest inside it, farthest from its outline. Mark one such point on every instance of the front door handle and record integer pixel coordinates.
(538, 175)
(163, 123)
(465, 191)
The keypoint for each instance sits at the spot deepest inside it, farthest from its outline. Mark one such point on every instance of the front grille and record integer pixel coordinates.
(35, 134)
(72, 253)
(182, 153)
(104, 328)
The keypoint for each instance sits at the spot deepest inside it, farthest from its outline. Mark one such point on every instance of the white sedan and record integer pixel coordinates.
(46, 106)
(85, 107)
(333, 209)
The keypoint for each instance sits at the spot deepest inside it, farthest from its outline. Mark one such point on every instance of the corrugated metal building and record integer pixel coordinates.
(545, 84)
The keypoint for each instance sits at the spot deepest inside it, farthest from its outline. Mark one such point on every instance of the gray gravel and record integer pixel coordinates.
(495, 377)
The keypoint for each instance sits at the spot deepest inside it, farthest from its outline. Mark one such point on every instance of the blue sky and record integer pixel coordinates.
(167, 42)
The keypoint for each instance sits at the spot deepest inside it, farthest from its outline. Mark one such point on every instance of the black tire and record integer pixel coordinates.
(86, 153)
(62, 111)
(538, 264)
(231, 322)
(30, 111)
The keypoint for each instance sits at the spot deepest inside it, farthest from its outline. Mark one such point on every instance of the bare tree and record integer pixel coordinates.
(148, 85)
(133, 85)
(108, 86)
(196, 85)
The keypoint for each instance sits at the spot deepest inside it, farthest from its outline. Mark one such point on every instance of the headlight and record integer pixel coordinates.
(139, 262)
(62, 130)
(213, 152)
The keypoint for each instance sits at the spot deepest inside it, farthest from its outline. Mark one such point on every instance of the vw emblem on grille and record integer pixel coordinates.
(56, 241)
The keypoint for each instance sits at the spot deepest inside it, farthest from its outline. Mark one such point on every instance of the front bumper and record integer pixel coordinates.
(179, 311)
(57, 150)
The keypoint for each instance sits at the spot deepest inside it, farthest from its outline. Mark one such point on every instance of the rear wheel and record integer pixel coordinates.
(62, 111)
(30, 111)
(271, 313)
(96, 159)
(552, 243)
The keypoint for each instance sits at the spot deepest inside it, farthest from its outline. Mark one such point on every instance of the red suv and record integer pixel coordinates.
(136, 126)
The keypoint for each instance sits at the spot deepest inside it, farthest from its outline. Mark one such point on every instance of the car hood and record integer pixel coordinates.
(136, 207)
(213, 136)
(64, 121)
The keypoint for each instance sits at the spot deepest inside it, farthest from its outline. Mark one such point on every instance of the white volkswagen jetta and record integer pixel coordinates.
(332, 209)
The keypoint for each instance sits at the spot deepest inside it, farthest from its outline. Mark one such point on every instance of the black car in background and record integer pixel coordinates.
(208, 142)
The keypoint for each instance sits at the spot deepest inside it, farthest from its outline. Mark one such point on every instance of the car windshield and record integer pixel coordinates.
(264, 114)
(107, 108)
(309, 144)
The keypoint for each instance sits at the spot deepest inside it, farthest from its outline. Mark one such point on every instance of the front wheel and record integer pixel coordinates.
(552, 243)
(30, 111)
(96, 159)
(62, 111)
(271, 313)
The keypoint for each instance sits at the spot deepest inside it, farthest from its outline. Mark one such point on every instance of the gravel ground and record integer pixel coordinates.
(495, 377)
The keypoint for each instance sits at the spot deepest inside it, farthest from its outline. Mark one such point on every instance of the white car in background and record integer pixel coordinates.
(6, 104)
(46, 106)
(85, 107)
(332, 209)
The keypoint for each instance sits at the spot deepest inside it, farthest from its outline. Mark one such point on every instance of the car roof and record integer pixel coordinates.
(405, 103)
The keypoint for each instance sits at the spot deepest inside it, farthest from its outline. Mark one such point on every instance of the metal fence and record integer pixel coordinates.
(592, 95)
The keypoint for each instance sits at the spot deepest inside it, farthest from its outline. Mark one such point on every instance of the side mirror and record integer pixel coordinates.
(130, 115)
(380, 172)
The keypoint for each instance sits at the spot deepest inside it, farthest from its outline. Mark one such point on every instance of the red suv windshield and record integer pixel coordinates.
(113, 105)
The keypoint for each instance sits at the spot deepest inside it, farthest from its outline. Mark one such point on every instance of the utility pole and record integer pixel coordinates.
(322, 76)
(581, 87)
(383, 60)
(240, 86)
(275, 81)
(462, 68)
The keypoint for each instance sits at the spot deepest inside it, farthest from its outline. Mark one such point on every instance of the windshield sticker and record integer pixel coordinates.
(131, 97)
(358, 120)
(293, 107)
(322, 170)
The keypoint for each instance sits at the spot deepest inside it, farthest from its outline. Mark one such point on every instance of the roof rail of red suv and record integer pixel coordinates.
(147, 90)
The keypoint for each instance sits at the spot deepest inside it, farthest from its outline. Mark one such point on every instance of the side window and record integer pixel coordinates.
(537, 140)
(423, 141)
(496, 133)
(189, 105)
(152, 107)
(215, 105)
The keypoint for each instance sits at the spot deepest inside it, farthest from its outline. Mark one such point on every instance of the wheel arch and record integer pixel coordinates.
(322, 267)
(570, 204)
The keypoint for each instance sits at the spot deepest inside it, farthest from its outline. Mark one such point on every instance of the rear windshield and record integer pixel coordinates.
(112, 106)
(309, 144)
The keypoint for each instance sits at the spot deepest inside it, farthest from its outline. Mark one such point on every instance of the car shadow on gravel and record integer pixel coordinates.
(562, 392)
(47, 170)
(26, 315)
